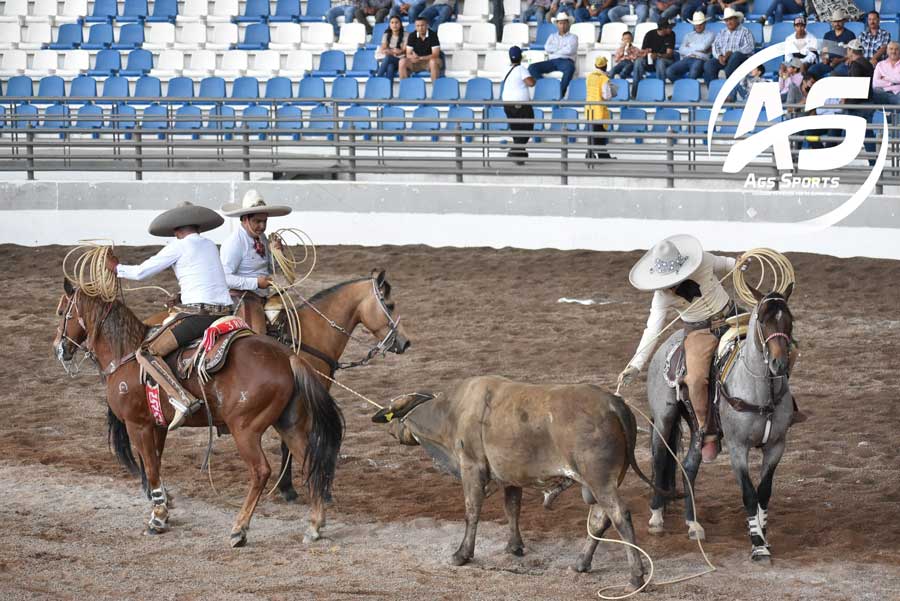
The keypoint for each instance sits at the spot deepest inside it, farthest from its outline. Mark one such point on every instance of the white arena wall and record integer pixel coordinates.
(460, 215)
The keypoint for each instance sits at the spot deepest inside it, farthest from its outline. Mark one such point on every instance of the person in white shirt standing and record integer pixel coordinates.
(247, 258)
(514, 94)
(204, 294)
(562, 48)
(801, 44)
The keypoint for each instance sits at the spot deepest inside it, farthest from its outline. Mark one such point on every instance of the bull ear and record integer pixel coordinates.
(788, 291)
(756, 293)
(67, 287)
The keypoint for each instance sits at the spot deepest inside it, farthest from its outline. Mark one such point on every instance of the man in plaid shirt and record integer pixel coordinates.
(874, 40)
(731, 47)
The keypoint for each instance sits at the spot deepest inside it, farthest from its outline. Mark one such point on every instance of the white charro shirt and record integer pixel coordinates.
(242, 263)
(195, 261)
(713, 298)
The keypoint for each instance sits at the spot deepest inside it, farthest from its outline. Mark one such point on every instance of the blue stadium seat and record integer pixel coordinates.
(393, 118)
(155, 117)
(164, 11)
(135, 11)
(279, 87)
(256, 118)
(2, 117)
(759, 9)
(321, 117)
(411, 89)
(756, 29)
(108, 62)
(83, 86)
(666, 114)
(123, 117)
(345, 88)
(681, 29)
(311, 87)
(56, 116)
(498, 116)
(856, 27)
(461, 118)
(188, 118)
(221, 121)
(547, 89)
(893, 29)
(315, 11)
(331, 64)
(286, 11)
(561, 114)
(623, 92)
(105, 11)
(244, 90)
(359, 117)
(577, 90)
(25, 116)
(256, 37)
(364, 64)
(543, 32)
(139, 63)
(732, 117)
(90, 116)
(68, 36)
(632, 114)
(866, 6)
(148, 87)
(131, 36)
(445, 88)
(409, 28)
(889, 11)
(52, 86)
(479, 88)
(100, 36)
(651, 90)
(818, 29)
(771, 68)
(289, 117)
(180, 87)
(431, 121)
(211, 90)
(780, 31)
(255, 11)
(715, 27)
(378, 88)
(377, 34)
(115, 87)
(686, 90)
(714, 87)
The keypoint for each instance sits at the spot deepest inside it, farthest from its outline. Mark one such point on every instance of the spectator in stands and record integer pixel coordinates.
(838, 32)
(714, 8)
(498, 16)
(874, 40)
(833, 60)
(409, 8)
(559, 7)
(664, 9)
(392, 49)
(860, 67)
(625, 56)
(515, 96)
(694, 50)
(598, 89)
(789, 80)
(375, 8)
(538, 8)
(340, 7)
(562, 48)
(779, 8)
(423, 51)
(438, 12)
(626, 7)
(801, 44)
(887, 77)
(594, 10)
(732, 46)
(657, 52)
(757, 75)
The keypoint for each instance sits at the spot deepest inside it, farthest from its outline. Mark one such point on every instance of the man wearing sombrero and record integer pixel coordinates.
(204, 293)
(247, 259)
(685, 278)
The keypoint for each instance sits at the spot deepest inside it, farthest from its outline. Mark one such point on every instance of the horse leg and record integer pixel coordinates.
(771, 456)
(663, 464)
(160, 435)
(739, 453)
(286, 483)
(597, 525)
(513, 505)
(296, 440)
(473, 480)
(145, 439)
(692, 466)
(249, 446)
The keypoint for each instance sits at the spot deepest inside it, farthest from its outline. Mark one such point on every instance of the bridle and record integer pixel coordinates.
(87, 348)
(764, 340)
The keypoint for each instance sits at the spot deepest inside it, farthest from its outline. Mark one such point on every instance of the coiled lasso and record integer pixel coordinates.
(284, 257)
(90, 275)
(775, 270)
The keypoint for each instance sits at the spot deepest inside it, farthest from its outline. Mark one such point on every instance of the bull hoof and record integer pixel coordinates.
(631, 587)
(290, 495)
(582, 567)
(459, 560)
(311, 536)
(238, 539)
(517, 550)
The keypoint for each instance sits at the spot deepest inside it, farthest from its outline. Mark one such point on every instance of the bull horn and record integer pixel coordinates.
(399, 407)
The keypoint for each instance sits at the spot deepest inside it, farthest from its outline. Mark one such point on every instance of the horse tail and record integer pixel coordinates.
(629, 426)
(119, 442)
(325, 432)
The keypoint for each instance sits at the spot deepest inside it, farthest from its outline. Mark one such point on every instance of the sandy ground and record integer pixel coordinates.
(73, 519)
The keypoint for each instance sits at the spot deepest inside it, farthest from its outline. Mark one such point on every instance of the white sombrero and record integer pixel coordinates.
(252, 204)
(668, 263)
(561, 17)
(183, 215)
(730, 13)
(698, 18)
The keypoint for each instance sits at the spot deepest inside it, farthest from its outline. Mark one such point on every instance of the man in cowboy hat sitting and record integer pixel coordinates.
(247, 259)
(204, 293)
(732, 46)
(694, 50)
(562, 49)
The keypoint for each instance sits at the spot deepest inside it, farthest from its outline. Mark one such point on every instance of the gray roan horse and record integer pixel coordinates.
(756, 412)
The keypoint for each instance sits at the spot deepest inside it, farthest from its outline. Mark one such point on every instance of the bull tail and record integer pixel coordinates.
(629, 426)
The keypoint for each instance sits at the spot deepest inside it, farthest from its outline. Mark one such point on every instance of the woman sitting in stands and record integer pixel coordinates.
(392, 49)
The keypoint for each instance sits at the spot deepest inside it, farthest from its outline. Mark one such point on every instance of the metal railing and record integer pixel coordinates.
(329, 142)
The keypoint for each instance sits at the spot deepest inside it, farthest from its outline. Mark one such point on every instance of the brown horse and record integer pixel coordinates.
(328, 321)
(261, 385)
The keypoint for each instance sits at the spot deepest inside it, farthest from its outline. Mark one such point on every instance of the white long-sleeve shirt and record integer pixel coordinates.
(242, 264)
(713, 298)
(195, 261)
(562, 46)
(808, 46)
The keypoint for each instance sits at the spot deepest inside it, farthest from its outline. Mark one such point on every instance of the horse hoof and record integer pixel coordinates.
(459, 560)
(656, 530)
(311, 536)
(238, 539)
(290, 495)
(517, 550)
(151, 531)
(696, 532)
(761, 556)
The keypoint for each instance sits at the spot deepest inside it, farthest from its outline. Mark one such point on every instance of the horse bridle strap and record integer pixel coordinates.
(742, 405)
(333, 365)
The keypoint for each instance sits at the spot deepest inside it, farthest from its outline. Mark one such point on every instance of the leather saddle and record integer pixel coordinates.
(194, 356)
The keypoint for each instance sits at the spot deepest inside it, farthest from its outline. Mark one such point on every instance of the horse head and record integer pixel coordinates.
(72, 330)
(378, 313)
(774, 325)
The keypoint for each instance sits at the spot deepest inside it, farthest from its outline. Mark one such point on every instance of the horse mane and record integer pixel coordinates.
(121, 328)
(322, 294)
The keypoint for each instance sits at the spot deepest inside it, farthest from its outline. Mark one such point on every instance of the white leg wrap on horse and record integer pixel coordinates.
(656, 519)
(756, 529)
(768, 431)
(158, 496)
(762, 517)
(695, 530)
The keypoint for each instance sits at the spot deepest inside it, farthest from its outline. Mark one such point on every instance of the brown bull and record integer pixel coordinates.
(523, 435)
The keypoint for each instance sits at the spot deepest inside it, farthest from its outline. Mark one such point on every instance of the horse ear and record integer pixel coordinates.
(67, 287)
(756, 293)
(788, 291)
(379, 278)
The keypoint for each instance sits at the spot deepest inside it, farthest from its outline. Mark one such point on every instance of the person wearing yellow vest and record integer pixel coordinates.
(598, 89)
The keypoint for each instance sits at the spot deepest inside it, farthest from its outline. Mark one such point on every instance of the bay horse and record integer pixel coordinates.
(261, 385)
(327, 322)
(755, 409)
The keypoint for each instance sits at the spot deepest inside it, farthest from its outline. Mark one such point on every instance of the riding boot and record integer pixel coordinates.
(152, 361)
(797, 417)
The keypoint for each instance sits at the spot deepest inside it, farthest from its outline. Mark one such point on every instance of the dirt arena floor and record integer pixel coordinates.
(73, 520)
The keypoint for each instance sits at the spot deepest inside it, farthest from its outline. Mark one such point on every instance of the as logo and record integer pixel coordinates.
(765, 95)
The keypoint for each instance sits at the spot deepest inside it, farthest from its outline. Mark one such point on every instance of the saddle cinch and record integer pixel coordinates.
(727, 351)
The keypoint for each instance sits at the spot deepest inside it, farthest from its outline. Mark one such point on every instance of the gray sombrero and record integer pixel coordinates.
(252, 204)
(668, 263)
(185, 214)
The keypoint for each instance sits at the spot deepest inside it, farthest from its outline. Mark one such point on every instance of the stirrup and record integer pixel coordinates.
(182, 412)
